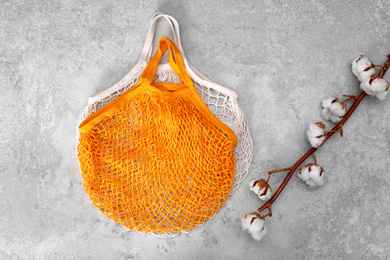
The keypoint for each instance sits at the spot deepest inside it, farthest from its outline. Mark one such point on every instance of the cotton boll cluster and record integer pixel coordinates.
(261, 188)
(254, 225)
(375, 87)
(333, 110)
(363, 68)
(312, 175)
(316, 134)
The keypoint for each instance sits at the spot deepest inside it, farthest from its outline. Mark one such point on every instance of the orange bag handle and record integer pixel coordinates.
(175, 61)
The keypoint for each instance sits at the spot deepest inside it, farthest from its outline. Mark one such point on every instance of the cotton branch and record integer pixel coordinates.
(328, 134)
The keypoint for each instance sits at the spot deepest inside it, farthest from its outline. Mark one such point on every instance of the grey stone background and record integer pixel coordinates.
(281, 57)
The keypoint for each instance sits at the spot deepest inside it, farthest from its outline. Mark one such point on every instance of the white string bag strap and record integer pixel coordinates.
(176, 34)
(148, 47)
(192, 71)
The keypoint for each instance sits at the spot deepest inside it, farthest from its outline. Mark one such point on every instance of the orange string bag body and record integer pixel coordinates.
(156, 159)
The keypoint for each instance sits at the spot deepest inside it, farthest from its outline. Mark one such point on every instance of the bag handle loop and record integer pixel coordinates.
(148, 47)
(175, 29)
(175, 61)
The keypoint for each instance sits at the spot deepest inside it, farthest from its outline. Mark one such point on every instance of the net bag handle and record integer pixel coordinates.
(175, 61)
(192, 71)
(176, 35)
(148, 47)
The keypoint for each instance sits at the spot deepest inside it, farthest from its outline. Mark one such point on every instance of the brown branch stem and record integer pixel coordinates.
(280, 170)
(337, 128)
(315, 159)
(275, 171)
(349, 97)
(385, 67)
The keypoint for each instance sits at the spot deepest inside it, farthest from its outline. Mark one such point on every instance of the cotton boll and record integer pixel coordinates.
(258, 229)
(255, 225)
(326, 112)
(246, 221)
(379, 85)
(261, 188)
(360, 64)
(316, 129)
(316, 134)
(375, 87)
(326, 103)
(253, 187)
(312, 175)
(265, 193)
(363, 68)
(333, 110)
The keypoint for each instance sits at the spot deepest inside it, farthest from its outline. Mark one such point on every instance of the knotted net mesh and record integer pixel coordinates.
(157, 163)
(223, 106)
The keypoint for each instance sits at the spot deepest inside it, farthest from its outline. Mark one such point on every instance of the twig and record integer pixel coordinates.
(385, 66)
(349, 97)
(275, 171)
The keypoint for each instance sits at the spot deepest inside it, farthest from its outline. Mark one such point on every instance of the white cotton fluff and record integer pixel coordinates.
(333, 110)
(254, 188)
(338, 109)
(363, 68)
(261, 188)
(254, 225)
(328, 116)
(258, 229)
(366, 74)
(327, 103)
(312, 175)
(375, 87)
(360, 63)
(382, 95)
(265, 194)
(246, 221)
(315, 134)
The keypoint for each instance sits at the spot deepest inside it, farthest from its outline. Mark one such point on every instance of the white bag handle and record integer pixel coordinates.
(148, 47)
(192, 71)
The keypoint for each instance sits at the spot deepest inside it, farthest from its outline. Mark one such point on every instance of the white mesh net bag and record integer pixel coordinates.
(221, 101)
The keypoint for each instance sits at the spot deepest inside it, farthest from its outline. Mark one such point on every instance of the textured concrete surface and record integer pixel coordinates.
(281, 57)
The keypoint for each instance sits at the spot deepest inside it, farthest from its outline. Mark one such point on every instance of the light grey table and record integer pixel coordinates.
(281, 57)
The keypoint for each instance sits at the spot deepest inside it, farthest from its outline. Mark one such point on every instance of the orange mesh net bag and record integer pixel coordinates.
(221, 101)
(156, 159)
